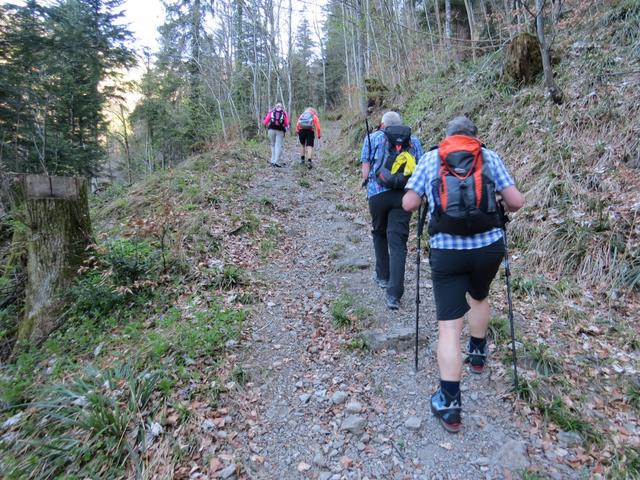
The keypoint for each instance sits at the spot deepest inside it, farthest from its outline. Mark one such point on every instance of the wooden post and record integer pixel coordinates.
(58, 233)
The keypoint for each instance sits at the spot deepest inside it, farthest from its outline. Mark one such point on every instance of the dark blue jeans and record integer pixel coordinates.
(390, 234)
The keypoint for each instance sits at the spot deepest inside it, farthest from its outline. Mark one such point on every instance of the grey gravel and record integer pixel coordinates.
(570, 439)
(413, 423)
(339, 397)
(229, 471)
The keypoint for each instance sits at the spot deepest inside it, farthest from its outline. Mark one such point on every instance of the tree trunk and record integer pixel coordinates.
(346, 54)
(472, 26)
(59, 230)
(552, 89)
(447, 27)
(436, 9)
(360, 21)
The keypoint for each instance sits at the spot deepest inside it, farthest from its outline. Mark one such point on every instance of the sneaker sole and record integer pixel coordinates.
(476, 369)
(449, 427)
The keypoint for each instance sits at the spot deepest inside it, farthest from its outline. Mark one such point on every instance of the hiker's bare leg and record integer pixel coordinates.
(309, 153)
(479, 316)
(449, 355)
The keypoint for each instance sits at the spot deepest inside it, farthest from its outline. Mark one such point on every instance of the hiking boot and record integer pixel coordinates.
(381, 283)
(309, 164)
(393, 303)
(476, 358)
(447, 409)
(279, 165)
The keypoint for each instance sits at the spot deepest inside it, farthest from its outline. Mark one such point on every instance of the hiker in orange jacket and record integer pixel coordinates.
(307, 128)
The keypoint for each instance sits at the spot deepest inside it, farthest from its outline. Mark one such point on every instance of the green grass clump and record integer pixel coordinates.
(568, 419)
(340, 309)
(357, 343)
(346, 313)
(544, 360)
(625, 464)
(92, 426)
(227, 277)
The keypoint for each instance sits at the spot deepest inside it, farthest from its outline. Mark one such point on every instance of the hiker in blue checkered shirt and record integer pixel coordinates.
(464, 259)
(390, 223)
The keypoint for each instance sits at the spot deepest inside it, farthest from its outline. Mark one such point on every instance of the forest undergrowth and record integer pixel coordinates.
(157, 306)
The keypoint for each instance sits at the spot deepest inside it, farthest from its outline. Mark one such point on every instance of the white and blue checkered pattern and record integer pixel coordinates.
(427, 171)
(378, 141)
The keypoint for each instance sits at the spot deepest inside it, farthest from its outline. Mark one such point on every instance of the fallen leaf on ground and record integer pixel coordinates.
(215, 464)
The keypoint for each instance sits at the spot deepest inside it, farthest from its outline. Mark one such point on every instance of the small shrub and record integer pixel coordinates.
(131, 260)
(94, 295)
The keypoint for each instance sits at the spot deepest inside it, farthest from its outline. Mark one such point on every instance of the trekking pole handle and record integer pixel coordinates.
(422, 217)
(504, 218)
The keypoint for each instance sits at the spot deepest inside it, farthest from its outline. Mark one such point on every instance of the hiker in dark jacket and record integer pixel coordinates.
(277, 123)
(461, 263)
(390, 223)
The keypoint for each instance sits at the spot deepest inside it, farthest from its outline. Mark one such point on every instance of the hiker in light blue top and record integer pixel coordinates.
(390, 223)
(376, 138)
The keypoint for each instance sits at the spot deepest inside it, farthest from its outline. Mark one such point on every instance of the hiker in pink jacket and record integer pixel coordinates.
(277, 122)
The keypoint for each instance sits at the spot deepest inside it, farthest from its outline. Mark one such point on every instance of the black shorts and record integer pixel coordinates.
(455, 273)
(306, 137)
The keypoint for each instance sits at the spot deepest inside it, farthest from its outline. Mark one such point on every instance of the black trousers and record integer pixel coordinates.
(390, 234)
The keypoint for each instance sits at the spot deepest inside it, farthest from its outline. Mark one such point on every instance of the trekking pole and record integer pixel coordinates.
(366, 124)
(422, 214)
(507, 275)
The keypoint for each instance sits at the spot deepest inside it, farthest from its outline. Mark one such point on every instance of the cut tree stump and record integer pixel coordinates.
(58, 233)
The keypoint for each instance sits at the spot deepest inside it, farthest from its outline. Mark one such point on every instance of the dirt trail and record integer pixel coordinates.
(317, 409)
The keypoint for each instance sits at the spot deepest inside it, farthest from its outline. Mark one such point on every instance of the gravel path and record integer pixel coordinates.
(316, 409)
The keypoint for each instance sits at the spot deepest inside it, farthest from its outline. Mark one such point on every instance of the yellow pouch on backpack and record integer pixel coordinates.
(406, 161)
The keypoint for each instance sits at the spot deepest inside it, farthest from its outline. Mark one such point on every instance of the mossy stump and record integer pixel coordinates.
(523, 60)
(58, 233)
(376, 92)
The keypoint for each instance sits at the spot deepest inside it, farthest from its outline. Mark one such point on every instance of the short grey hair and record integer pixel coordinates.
(461, 126)
(391, 119)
